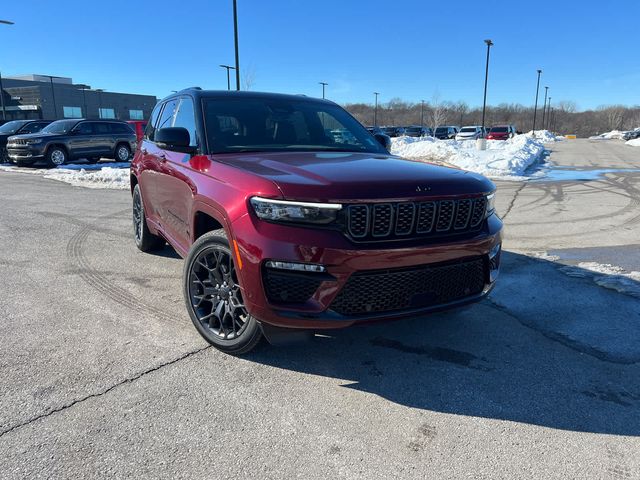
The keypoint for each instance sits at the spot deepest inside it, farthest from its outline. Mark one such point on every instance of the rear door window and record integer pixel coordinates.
(83, 128)
(101, 128)
(150, 127)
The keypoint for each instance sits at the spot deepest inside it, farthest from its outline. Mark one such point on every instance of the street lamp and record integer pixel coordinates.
(235, 36)
(544, 108)
(375, 111)
(486, 79)
(535, 108)
(4, 109)
(549, 113)
(228, 67)
(53, 94)
(324, 84)
(422, 113)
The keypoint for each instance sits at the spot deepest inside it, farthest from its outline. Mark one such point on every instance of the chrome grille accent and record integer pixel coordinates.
(406, 219)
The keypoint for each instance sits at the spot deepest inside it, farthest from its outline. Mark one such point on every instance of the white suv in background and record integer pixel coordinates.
(471, 132)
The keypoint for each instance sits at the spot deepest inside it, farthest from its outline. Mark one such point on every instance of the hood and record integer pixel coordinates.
(34, 135)
(322, 177)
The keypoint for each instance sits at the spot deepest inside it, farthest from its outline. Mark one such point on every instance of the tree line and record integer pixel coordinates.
(562, 118)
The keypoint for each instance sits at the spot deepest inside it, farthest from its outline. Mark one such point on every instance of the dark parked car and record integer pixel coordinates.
(17, 127)
(418, 132)
(376, 130)
(285, 231)
(393, 131)
(446, 132)
(502, 132)
(66, 140)
(631, 135)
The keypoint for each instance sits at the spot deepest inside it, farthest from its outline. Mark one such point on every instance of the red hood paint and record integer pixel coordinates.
(331, 176)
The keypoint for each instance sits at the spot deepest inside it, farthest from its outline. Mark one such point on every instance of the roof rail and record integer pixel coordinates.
(190, 88)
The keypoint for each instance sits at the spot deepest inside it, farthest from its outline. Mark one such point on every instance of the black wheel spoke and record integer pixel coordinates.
(215, 294)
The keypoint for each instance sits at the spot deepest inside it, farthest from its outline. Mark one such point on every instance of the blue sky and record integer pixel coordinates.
(410, 49)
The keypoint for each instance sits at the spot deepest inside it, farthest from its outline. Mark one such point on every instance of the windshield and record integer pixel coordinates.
(468, 129)
(412, 129)
(61, 126)
(12, 127)
(499, 129)
(441, 130)
(276, 125)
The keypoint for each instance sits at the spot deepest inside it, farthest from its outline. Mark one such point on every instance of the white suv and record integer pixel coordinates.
(470, 133)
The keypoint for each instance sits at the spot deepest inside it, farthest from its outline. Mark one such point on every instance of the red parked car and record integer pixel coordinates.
(502, 132)
(285, 230)
(138, 127)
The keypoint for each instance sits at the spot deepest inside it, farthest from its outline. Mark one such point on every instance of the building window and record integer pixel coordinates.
(136, 114)
(72, 112)
(107, 113)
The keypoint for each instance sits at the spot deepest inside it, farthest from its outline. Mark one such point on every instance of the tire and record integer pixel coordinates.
(56, 156)
(122, 153)
(145, 240)
(213, 296)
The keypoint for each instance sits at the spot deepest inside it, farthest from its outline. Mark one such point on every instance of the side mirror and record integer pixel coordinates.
(384, 140)
(176, 139)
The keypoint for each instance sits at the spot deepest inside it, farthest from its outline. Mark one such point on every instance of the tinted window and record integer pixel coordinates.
(32, 127)
(469, 129)
(61, 126)
(83, 128)
(11, 127)
(441, 130)
(150, 127)
(101, 128)
(185, 118)
(274, 124)
(499, 129)
(120, 128)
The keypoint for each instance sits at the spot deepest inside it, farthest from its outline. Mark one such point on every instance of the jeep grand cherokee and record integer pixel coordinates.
(286, 230)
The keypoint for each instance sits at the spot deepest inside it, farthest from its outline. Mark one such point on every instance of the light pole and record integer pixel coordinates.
(99, 90)
(549, 113)
(375, 110)
(235, 36)
(324, 84)
(228, 67)
(53, 94)
(544, 108)
(486, 80)
(4, 109)
(84, 87)
(422, 113)
(535, 108)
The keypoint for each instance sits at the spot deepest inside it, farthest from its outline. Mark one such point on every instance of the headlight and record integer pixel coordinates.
(491, 204)
(296, 212)
(34, 141)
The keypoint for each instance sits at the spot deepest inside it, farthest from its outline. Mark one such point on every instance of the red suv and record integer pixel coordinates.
(285, 230)
(502, 132)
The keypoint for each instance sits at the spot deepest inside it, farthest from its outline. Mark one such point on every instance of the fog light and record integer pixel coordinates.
(299, 267)
(494, 262)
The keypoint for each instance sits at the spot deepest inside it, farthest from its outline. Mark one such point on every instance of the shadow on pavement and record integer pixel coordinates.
(546, 349)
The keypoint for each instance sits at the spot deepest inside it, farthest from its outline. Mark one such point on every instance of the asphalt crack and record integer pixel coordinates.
(513, 200)
(103, 392)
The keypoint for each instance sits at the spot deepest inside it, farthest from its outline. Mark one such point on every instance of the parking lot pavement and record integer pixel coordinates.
(104, 376)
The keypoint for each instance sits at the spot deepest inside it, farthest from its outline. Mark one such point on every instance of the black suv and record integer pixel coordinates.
(18, 127)
(66, 140)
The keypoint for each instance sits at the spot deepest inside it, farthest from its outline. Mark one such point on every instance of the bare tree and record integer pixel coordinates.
(437, 112)
(248, 77)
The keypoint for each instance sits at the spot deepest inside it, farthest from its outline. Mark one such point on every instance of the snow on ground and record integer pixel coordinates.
(634, 143)
(102, 175)
(607, 276)
(545, 136)
(502, 158)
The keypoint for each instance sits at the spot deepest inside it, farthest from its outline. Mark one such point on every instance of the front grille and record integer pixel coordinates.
(289, 287)
(18, 141)
(406, 219)
(378, 291)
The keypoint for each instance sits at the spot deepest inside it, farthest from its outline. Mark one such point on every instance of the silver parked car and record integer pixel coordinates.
(471, 132)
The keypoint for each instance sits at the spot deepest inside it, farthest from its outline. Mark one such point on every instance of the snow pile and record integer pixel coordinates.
(634, 143)
(615, 134)
(106, 177)
(607, 276)
(102, 175)
(544, 136)
(502, 158)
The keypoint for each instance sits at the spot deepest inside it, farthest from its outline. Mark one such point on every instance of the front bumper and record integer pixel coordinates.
(25, 152)
(260, 241)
